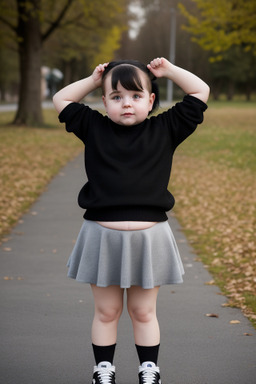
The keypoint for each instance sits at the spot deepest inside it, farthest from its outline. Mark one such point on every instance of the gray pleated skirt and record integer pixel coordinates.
(146, 258)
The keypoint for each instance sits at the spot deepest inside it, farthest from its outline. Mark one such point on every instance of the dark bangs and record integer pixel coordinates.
(128, 77)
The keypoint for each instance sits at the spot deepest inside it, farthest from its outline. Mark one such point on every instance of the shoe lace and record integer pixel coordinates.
(105, 376)
(149, 376)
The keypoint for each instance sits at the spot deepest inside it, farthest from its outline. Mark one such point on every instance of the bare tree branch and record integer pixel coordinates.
(75, 21)
(6, 22)
(56, 23)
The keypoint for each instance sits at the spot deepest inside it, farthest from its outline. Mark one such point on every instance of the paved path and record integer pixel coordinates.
(46, 317)
(48, 104)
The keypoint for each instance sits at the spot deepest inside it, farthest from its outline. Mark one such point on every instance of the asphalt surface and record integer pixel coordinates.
(46, 317)
(47, 104)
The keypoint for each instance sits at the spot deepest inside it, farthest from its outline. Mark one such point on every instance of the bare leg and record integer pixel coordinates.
(141, 304)
(108, 308)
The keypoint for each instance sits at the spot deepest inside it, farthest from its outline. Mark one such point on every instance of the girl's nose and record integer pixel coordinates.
(126, 102)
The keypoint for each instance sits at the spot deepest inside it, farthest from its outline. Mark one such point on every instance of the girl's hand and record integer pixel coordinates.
(160, 67)
(187, 81)
(97, 74)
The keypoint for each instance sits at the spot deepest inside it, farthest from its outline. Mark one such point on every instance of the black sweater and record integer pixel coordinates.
(128, 167)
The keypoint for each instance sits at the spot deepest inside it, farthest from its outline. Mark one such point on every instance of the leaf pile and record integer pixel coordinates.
(216, 203)
(29, 158)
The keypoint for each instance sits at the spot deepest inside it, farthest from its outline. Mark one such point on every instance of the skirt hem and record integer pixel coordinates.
(126, 286)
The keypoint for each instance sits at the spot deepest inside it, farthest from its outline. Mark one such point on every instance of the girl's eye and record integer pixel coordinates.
(136, 96)
(116, 98)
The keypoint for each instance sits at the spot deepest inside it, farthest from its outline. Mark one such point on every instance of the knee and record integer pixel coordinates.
(142, 314)
(108, 314)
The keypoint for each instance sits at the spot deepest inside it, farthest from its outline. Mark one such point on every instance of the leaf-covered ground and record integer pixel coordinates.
(29, 158)
(214, 184)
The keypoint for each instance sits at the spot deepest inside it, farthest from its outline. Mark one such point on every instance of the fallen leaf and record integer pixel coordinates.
(234, 322)
(5, 239)
(211, 282)
(7, 249)
(212, 315)
(248, 334)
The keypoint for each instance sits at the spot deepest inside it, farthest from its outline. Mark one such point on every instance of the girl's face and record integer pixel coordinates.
(127, 107)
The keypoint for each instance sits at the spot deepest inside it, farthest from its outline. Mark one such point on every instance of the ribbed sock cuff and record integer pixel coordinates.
(104, 353)
(148, 353)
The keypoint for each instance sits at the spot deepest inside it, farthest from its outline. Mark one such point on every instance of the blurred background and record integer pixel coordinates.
(60, 42)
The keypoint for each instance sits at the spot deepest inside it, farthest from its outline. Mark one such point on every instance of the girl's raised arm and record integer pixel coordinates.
(76, 91)
(187, 81)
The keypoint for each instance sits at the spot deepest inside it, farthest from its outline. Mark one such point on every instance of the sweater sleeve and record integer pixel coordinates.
(184, 118)
(77, 118)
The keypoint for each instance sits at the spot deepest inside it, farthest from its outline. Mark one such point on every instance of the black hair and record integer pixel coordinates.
(125, 72)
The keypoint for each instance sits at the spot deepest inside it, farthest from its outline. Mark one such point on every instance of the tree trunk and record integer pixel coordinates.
(216, 87)
(30, 47)
(67, 72)
(248, 91)
(2, 93)
(230, 90)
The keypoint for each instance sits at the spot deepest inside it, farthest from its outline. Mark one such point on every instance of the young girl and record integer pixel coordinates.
(125, 241)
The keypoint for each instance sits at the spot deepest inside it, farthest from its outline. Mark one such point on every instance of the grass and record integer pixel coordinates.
(230, 139)
(214, 182)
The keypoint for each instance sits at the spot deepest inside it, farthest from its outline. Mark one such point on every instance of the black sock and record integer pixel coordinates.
(148, 353)
(104, 353)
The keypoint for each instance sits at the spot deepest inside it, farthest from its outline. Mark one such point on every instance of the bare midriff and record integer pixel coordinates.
(127, 225)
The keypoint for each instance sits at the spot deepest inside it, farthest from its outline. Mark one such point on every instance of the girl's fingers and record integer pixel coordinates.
(101, 67)
(156, 62)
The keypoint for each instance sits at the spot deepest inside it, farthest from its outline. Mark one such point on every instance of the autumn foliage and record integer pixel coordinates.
(217, 25)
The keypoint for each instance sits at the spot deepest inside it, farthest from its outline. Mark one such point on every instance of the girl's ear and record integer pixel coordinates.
(104, 101)
(152, 97)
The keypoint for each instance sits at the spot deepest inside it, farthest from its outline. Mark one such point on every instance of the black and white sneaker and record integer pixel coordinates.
(104, 373)
(149, 373)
